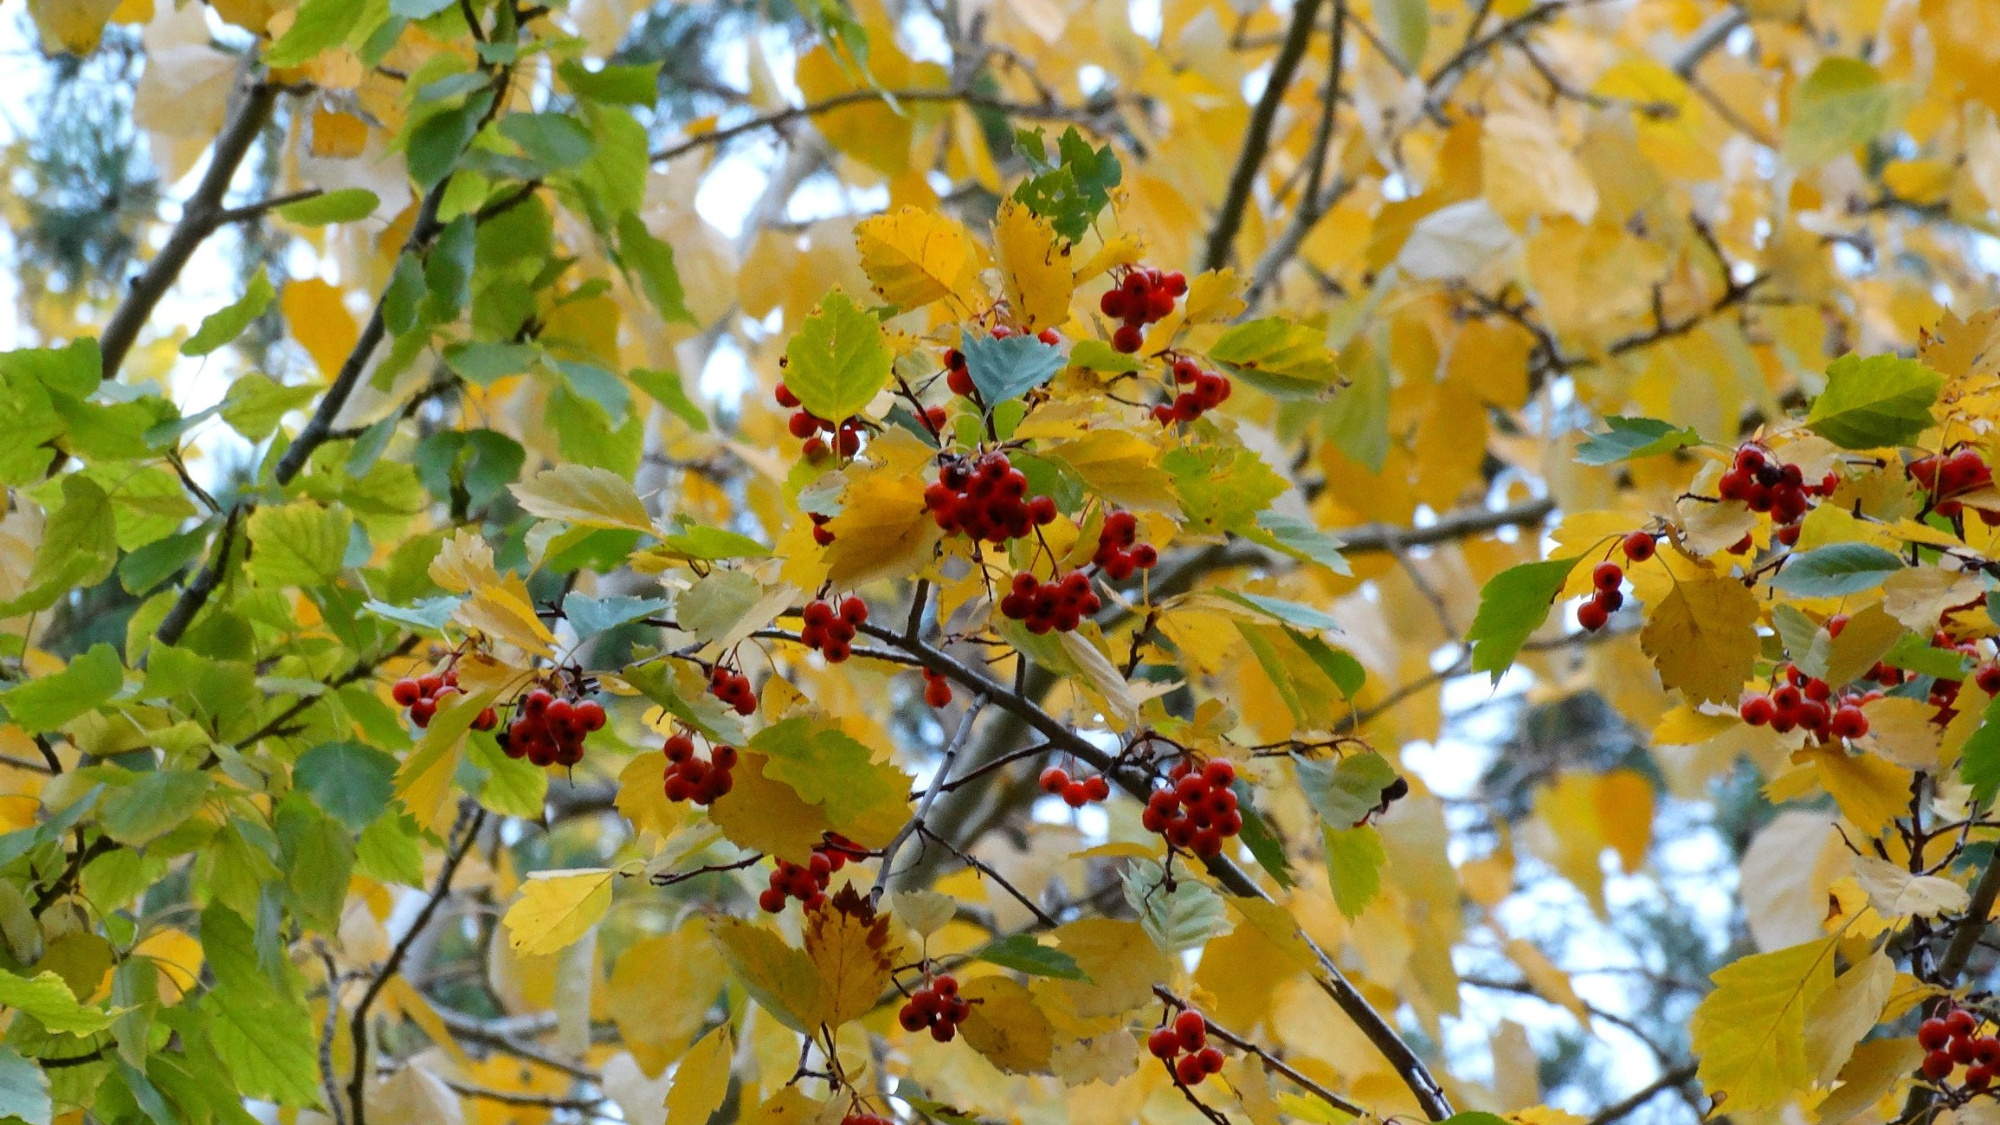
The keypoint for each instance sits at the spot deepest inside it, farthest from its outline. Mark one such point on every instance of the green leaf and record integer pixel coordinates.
(702, 543)
(299, 544)
(74, 370)
(259, 1025)
(486, 363)
(828, 767)
(1354, 861)
(1843, 103)
(1343, 791)
(1836, 570)
(1630, 438)
(665, 388)
(79, 547)
(1879, 401)
(430, 614)
(1337, 664)
(615, 85)
(1914, 653)
(345, 205)
(417, 9)
(351, 781)
(1264, 845)
(24, 1089)
(1980, 759)
(1023, 954)
(1291, 613)
(218, 328)
(1511, 607)
(321, 25)
(838, 361)
(436, 142)
(1222, 487)
(683, 696)
(1008, 367)
(256, 403)
(590, 616)
(1279, 356)
(1357, 420)
(553, 140)
(1183, 918)
(1406, 27)
(653, 260)
(49, 1000)
(1096, 355)
(1070, 190)
(155, 804)
(1299, 538)
(49, 702)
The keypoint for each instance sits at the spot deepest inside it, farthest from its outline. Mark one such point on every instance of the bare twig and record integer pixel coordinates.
(1622, 1108)
(780, 118)
(1257, 138)
(1271, 1062)
(886, 869)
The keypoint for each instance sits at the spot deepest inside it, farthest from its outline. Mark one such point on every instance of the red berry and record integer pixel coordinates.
(1640, 545)
(1189, 1071)
(1607, 576)
(1932, 1035)
(422, 711)
(1757, 710)
(1959, 1022)
(786, 398)
(937, 693)
(1096, 787)
(1592, 616)
(1054, 780)
(1977, 1077)
(590, 715)
(1192, 1029)
(405, 692)
(1219, 774)
(1163, 1043)
(429, 685)
(1211, 1060)
(1076, 794)
(1128, 338)
(1937, 1066)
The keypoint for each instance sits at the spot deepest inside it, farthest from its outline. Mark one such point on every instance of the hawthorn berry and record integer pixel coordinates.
(830, 628)
(807, 881)
(689, 778)
(1119, 552)
(1932, 1034)
(549, 729)
(986, 500)
(937, 689)
(1937, 1066)
(421, 696)
(732, 688)
(936, 1006)
(1988, 678)
(1183, 1046)
(821, 535)
(1061, 605)
(1640, 546)
(1198, 810)
(1592, 615)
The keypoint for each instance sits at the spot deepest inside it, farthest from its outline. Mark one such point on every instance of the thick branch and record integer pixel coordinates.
(201, 216)
(1229, 220)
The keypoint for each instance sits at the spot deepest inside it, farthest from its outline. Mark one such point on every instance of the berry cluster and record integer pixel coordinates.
(732, 688)
(1948, 475)
(987, 499)
(806, 426)
(1808, 703)
(830, 629)
(959, 379)
(807, 881)
(1119, 551)
(690, 778)
(549, 729)
(1143, 296)
(1767, 485)
(423, 695)
(1183, 1045)
(936, 1006)
(1198, 811)
(937, 689)
(1076, 792)
(1202, 391)
(1949, 1043)
(1607, 579)
(1060, 605)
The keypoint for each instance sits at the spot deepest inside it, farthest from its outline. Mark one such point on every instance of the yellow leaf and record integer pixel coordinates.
(1703, 638)
(405, 1000)
(1897, 893)
(853, 951)
(464, 562)
(1845, 1012)
(176, 958)
(1035, 265)
(1122, 963)
(763, 815)
(425, 777)
(702, 1079)
(872, 131)
(926, 912)
(1750, 1031)
(781, 979)
(1212, 297)
(556, 908)
(319, 321)
(1875, 1068)
(71, 25)
(913, 257)
(586, 495)
(1918, 595)
(1007, 1026)
(502, 610)
(1121, 466)
(1625, 815)
(1901, 730)
(642, 795)
(882, 531)
(1867, 637)
(1871, 792)
(1549, 982)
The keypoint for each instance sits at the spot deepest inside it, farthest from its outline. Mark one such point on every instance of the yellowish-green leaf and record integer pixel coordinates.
(838, 361)
(702, 1079)
(557, 908)
(583, 494)
(1750, 1031)
(781, 979)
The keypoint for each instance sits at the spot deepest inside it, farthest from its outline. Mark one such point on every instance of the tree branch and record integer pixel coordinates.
(1257, 139)
(1622, 1108)
(780, 118)
(201, 216)
(885, 870)
(471, 817)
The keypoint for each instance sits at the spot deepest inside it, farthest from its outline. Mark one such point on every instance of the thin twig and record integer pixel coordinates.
(1257, 138)
(885, 870)
(1271, 1062)
(786, 116)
